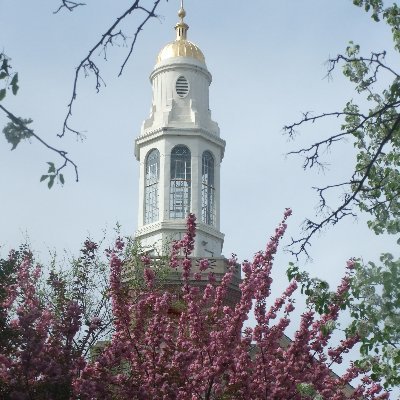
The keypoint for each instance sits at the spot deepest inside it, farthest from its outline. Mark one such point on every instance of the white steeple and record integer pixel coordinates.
(180, 151)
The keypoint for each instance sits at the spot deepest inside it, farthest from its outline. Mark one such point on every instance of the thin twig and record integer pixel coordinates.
(69, 5)
(88, 65)
(344, 208)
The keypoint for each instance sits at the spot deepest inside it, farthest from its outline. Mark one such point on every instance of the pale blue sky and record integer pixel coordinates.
(267, 59)
(268, 64)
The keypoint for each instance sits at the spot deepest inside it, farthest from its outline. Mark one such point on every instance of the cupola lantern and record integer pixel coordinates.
(180, 152)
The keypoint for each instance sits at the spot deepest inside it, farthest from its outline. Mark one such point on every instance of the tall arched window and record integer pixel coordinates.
(151, 208)
(207, 189)
(180, 184)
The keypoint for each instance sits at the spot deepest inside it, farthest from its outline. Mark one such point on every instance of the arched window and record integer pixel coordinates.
(151, 209)
(207, 189)
(180, 184)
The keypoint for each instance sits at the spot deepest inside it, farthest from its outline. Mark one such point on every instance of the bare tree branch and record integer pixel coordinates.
(69, 5)
(313, 159)
(87, 65)
(321, 191)
(150, 14)
(308, 117)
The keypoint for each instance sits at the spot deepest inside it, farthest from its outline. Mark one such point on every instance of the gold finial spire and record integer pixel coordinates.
(181, 47)
(181, 12)
(181, 27)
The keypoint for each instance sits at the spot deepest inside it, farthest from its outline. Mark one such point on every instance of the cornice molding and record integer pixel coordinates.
(177, 226)
(174, 65)
(153, 134)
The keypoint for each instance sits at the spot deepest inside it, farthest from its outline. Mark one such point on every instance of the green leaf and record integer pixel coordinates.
(2, 94)
(16, 131)
(306, 389)
(61, 177)
(14, 89)
(52, 167)
(14, 84)
(3, 75)
(51, 181)
(14, 80)
(5, 66)
(43, 177)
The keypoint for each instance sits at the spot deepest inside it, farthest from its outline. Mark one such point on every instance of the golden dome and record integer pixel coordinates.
(181, 47)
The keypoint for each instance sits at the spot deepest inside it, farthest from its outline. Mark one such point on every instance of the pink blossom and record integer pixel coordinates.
(187, 342)
(351, 263)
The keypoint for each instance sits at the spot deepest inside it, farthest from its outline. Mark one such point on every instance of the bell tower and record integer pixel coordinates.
(180, 152)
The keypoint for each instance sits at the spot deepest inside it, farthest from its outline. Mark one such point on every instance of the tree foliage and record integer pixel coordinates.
(18, 130)
(373, 302)
(376, 313)
(9, 79)
(372, 125)
(371, 122)
(185, 344)
(49, 322)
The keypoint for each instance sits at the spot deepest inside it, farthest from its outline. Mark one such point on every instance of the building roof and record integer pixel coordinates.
(180, 47)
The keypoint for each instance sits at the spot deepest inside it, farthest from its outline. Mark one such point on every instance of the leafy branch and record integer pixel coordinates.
(345, 208)
(373, 303)
(373, 186)
(17, 129)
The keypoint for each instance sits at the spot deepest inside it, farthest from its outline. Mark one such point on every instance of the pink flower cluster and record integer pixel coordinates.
(185, 344)
(37, 357)
(192, 345)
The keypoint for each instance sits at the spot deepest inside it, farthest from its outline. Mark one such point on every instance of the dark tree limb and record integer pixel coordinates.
(150, 14)
(69, 5)
(313, 159)
(87, 65)
(308, 117)
(312, 153)
(374, 61)
(62, 153)
(321, 192)
(345, 208)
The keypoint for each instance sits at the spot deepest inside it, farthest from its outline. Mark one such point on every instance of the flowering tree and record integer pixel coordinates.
(192, 346)
(47, 332)
(373, 302)
(35, 363)
(169, 345)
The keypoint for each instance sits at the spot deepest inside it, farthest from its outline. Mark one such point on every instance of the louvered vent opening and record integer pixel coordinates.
(182, 86)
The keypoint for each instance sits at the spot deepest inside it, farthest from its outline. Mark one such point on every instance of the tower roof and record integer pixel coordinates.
(180, 47)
